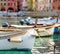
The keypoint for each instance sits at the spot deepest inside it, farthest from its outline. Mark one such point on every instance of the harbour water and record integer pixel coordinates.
(47, 45)
(40, 42)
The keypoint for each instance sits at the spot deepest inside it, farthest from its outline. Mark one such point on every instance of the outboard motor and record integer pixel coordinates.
(22, 22)
(5, 24)
(27, 23)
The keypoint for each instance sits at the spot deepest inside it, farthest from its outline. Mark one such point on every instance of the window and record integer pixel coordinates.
(59, 8)
(4, 0)
(1, 0)
(54, 0)
(12, 4)
(8, 4)
(8, 0)
(50, 1)
(4, 4)
(53, 7)
(1, 4)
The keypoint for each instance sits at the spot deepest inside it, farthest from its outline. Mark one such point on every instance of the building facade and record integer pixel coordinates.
(20, 4)
(27, 4)
(56, 5)
(36, 5)
(6, 5)
(3, 5)
(11, 5)
(30, 4)
(44, 4)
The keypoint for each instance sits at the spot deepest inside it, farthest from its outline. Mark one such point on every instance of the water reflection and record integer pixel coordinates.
(47, 41)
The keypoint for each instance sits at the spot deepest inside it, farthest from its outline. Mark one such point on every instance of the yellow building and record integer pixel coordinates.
(30, 2)
(34, 5)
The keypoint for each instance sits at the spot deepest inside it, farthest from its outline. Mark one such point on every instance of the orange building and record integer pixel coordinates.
(2, 4)
(56, 5)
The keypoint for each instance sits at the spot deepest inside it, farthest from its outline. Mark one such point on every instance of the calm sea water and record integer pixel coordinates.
(15, 52)
(42, 41)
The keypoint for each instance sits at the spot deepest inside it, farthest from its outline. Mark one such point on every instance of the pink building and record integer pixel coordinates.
(11, 5)
(56, 5)
(20, 4)
(23, 4)
(44, 5)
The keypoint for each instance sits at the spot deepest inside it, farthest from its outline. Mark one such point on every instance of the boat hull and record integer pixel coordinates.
(46, 32)
(26, 43)
(6, 45)
(57, 30)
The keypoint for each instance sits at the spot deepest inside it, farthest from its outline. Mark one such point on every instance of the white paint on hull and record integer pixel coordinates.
(28, 41)
(47, 32)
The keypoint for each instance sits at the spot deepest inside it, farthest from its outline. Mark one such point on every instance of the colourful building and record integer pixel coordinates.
(30, 4)
(24, 4)
(44, 5)
(20, 4)
(8, 5)
(11, 5)
(56, 5)
(3, 5)
(34, 5)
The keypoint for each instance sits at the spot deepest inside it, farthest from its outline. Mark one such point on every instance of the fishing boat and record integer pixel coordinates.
(45, 27)
(45, 31)
(17, 37)
(48, 27)
(42, 22)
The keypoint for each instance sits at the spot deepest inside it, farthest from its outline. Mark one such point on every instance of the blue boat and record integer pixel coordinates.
(44, 21)
(57, 27)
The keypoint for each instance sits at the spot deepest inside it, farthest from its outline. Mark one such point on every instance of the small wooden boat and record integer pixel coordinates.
(45, 31)
(43, 22)
(17, 38)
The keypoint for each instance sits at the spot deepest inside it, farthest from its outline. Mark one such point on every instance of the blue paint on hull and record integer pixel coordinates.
(56, 30)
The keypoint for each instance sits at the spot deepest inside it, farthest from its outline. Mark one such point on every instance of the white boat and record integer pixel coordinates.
(17, 39)
(42, 31)
(45, 31)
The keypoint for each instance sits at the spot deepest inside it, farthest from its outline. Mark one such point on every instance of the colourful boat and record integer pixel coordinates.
(42, 22)
(44, 26)
(57, 26)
